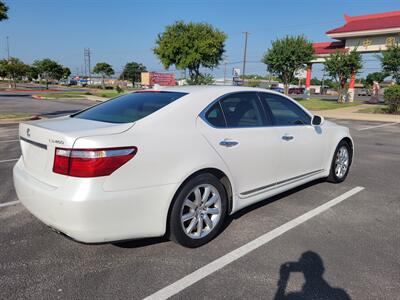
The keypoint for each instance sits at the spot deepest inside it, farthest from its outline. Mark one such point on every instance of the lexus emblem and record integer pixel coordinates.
(28, 132)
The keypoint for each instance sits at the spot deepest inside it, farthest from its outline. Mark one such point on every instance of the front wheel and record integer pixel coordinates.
(340, 163)
(198, 211)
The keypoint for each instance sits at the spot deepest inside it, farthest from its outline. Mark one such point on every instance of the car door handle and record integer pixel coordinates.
(228, 143)
(287, 137)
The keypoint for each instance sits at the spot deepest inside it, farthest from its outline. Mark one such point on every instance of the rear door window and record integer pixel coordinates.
(243, 110)
(129, 108)
(215, 117)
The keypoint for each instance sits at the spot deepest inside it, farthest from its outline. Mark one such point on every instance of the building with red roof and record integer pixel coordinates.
(371, 33)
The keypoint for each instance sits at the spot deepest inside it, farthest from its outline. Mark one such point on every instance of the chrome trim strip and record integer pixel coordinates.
(258, 189)
(286, 181)
(43, 146)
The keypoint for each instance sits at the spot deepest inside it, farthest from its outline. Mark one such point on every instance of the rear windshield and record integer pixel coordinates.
(129, 108)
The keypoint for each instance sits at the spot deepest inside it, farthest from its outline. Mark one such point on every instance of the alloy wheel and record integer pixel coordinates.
(201, 211)
(342, 162)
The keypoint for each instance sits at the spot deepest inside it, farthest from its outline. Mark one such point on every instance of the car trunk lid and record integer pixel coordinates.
(40, 138)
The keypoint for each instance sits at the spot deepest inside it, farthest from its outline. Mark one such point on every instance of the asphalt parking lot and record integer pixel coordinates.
(349, 251)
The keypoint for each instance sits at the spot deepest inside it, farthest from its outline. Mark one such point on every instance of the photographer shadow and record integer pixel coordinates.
(315, 286)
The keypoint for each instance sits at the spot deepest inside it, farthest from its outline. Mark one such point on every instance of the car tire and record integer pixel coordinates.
(188, 218)
(337, 174)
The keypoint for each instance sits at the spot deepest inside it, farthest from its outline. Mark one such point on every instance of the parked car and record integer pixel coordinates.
(296, 91)
(176, 160)
(278, 89)
(364, 92)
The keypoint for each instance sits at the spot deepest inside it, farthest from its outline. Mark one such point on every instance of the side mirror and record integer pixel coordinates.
(317, 120)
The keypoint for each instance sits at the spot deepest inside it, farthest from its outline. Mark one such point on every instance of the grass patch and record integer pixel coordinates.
(14, 116)
(324, 104)
(377, 109)
(70, 95)
(105, 93)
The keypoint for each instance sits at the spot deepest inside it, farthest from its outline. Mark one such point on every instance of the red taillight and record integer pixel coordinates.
(91, 162)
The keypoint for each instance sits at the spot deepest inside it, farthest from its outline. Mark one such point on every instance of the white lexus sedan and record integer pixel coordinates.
(173, 161)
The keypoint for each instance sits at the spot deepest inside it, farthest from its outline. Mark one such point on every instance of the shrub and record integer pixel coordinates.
(253, 83)
(392, 98)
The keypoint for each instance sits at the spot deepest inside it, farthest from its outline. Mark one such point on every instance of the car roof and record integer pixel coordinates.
(220, 89)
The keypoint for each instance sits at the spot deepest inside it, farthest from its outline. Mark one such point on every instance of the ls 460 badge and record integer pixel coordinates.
(59, 142)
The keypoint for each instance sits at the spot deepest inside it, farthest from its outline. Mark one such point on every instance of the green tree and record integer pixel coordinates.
(3, 11)
(202, 79)
(191, 46)
(32, 73)
(66, 73)
(390, 61)
(48, 70)
(341, 66)
(375, 76)
(287, 56)
(132, 71)
(104, 69)
(14, 69)
(315, 81)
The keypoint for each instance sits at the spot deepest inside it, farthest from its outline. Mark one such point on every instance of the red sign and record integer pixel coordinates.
(163, 79)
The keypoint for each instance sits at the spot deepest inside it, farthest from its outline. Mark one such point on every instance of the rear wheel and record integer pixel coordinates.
(198, 211)
(340, 163)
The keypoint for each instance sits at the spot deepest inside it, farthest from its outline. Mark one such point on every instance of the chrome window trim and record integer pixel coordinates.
(202, 114)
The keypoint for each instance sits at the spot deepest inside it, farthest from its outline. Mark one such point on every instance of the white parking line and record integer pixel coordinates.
(378, 126)
(9, 203)
(221, 262)
(15, 134)
(7, 160)
(9, 141)
(8, 130)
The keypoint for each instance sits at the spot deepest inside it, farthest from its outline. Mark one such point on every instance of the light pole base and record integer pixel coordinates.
(307, 93)
(350, 95)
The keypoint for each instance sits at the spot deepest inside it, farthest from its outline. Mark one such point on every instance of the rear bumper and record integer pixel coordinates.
(84, 211)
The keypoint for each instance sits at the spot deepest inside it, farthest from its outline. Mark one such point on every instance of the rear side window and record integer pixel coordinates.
(129, 108)
(214, 116)
(284, 111)
(242, 110)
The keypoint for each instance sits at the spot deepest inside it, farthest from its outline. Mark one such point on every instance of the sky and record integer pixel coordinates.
(120, 31)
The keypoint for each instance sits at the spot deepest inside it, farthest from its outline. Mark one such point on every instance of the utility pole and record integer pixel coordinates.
(225, 63)
(245, 53)
(8, 47)
(8, 58)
